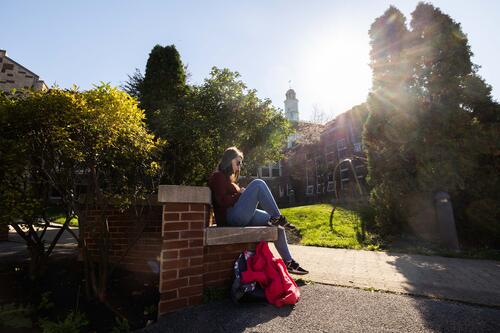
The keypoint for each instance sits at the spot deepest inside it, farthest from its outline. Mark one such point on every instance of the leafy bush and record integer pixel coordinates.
(73, 323)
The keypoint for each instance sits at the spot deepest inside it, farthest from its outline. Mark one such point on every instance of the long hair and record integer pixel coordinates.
(225, 166)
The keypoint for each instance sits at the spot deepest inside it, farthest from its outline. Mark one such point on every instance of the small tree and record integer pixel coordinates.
(94, 149)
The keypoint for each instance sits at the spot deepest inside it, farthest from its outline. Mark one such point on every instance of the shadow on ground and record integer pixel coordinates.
(459, 280)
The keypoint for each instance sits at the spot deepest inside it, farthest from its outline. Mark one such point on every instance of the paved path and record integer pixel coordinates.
(15, 248)
(325, 308)
(468, 280)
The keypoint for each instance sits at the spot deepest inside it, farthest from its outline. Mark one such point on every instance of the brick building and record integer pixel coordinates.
(15, 76)
(311, 171)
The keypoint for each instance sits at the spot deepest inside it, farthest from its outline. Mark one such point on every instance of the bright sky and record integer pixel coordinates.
(321, 46)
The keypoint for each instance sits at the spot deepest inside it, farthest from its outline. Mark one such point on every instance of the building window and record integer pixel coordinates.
(264, 172)
(357, 147)
(310, 190)
(308, 156)
(319, 188)
(7, 67)
(330, 187)
(276, 169)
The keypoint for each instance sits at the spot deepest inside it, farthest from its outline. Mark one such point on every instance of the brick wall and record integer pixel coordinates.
(124, 228)
(219, 261)
(181, 274)
(174, 239)
(187, 266)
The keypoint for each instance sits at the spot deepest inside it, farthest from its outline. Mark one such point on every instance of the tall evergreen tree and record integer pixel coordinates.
(457, 121)
(387, 134)
(433, 125)
(163, 88)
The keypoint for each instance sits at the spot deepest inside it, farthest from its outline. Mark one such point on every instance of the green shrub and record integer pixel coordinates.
(73, 323)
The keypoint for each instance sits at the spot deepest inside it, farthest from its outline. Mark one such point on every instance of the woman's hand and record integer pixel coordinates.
(242, 189)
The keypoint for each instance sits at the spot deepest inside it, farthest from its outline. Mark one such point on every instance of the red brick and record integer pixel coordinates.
(195, 242)
(176, 263)
(192, 234)
(197, 207)
(195, 280)
(175, 226)
(172, 234)
(191, 291)
(192, 216)
(169, 306)
(176, 244)
(193, 261)
(191, 271)
(173, 284)
(218, 266)
(175, 207)
(196, 225)
(169, 275)
(211, 257)
(191, 252)
(168, 295)
(170, 254)
(211, 276)
(229, 256)
(193, 300)
(171, 217)
(217, 283)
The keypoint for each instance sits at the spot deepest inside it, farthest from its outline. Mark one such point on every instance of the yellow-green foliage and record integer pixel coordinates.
(313, 223)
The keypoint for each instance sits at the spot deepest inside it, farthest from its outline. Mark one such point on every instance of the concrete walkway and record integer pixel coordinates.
(466, 280)
(14, 250)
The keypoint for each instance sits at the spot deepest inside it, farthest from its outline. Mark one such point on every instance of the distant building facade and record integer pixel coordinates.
(15, 76)
(311, 171)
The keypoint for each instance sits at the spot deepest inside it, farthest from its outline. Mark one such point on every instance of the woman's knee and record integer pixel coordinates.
(259, 183)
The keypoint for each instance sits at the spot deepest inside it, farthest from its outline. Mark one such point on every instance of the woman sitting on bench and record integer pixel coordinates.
(236, 206)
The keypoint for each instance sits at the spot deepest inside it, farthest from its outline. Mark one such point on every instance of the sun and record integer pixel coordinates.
(336, 71)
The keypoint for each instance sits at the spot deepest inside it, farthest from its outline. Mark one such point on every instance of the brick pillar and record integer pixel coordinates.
(185, 215)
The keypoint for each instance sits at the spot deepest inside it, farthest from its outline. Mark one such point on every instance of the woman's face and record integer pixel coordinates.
(236, 163)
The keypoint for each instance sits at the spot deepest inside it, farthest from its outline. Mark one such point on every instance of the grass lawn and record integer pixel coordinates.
(313, 223)
(57, 216)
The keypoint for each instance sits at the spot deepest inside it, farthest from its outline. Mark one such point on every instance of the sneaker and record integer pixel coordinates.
(294, 268)
(281, 221)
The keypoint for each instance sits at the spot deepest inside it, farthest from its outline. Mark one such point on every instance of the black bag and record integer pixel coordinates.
(245, 292)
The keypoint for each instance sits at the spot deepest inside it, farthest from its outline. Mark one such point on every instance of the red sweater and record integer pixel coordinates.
(224, 195)
(271, 273)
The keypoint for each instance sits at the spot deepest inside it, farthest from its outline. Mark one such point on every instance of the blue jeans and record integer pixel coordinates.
(245, 213)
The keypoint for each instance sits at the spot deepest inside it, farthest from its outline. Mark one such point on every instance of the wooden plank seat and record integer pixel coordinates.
(232, 235)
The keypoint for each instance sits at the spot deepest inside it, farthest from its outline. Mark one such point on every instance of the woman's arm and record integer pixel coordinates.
(218, 185)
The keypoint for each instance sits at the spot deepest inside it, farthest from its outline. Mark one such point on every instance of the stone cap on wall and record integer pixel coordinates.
(181, 193)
